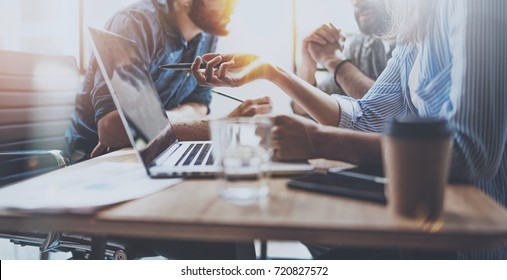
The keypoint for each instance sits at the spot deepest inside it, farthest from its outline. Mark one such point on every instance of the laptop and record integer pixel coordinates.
(149, 130)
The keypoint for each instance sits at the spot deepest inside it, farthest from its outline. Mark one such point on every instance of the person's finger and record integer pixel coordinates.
(257, 109)
(264, 100)
(317, 38)
(216, 71)
(216, 82)
(195, 70)
(250, 111)
(264, 109)
(209, 56)
(247, 103)
(260, 100)
(279, 120)
(326, 33)
(210, 68)
(227, 57)
(337, 33)
(224, 69)
(243, 60)
(98, 150)
(230, 81)
(326, 30)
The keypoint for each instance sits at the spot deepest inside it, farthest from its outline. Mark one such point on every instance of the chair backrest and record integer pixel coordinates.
(37, 95)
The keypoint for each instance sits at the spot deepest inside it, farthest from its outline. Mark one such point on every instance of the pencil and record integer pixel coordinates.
(227, 95)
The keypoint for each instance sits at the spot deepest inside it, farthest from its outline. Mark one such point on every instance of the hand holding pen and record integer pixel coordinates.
(182, 66)
(188, 66)
(234, 69)
(247, 108)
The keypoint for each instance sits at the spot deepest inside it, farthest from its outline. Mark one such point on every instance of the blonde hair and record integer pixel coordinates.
(411, 19)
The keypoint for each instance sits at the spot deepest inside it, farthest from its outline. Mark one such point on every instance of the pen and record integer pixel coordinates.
(183, 66)
(376, 179)
(227, 95)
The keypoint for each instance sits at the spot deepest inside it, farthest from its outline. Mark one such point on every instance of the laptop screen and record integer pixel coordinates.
(126, 74)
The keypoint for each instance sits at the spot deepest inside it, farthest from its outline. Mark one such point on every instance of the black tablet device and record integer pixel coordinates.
(357, 187)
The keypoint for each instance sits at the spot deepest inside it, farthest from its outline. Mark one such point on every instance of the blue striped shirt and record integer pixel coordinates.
(463, 78)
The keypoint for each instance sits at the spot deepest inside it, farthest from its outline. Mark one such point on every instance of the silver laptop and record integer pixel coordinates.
(127, 77)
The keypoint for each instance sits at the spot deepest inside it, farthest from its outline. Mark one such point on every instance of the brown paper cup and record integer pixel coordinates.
(417, 168)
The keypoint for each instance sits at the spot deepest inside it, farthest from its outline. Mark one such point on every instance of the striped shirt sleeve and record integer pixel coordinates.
(385, 100)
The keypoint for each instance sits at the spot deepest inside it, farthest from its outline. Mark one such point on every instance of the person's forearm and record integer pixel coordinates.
(197, 130)
(112, 132)
(316, 103)
(306, 71)
(347, 145)
(353, 82)
(298, 110)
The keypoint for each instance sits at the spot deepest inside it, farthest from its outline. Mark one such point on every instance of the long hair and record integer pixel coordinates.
(411, 19)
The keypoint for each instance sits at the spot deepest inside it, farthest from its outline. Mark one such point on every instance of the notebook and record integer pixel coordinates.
(127, 77)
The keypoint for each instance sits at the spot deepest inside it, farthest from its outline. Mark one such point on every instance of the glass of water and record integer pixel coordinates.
(242, 148)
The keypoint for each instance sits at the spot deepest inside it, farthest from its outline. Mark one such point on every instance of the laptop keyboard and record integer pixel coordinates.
(192, 154)
(184, 154)
(210, 160)
(205, 150)
(196, 154)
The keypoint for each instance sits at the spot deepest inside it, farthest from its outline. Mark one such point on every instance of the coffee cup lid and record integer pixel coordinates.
(416, 127)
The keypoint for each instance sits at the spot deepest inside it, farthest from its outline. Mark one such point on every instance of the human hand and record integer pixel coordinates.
(100, 149)
(308, 64)
(324, 43)
(233, 70)
(292, 138)
(252, 107)
(306, 70)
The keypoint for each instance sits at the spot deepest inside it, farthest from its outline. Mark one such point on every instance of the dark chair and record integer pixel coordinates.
(37, 95)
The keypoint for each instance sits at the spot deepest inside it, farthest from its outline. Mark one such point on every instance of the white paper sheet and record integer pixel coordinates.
(84, 190)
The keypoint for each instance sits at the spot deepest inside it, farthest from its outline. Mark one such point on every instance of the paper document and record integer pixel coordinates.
(84, 190)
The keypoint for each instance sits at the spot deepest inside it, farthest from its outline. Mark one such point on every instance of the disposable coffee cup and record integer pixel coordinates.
(417, 156)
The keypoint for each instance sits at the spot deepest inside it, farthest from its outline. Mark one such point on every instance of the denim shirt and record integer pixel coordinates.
(152, 26)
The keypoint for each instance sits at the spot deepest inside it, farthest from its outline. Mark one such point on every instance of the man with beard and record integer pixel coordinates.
(166, 31)
(355, 69)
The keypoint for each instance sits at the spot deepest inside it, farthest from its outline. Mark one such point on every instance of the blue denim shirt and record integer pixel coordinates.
(151, 25)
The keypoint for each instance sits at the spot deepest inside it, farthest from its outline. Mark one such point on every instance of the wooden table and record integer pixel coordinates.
(193, 210)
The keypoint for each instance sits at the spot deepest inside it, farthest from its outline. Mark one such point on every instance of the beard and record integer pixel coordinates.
(209, 21)
(371, 26)
(378, 21)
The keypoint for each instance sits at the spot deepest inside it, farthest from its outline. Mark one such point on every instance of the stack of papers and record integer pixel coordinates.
(83, 191)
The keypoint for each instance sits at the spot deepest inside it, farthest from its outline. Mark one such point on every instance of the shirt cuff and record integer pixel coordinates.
(349, 111)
